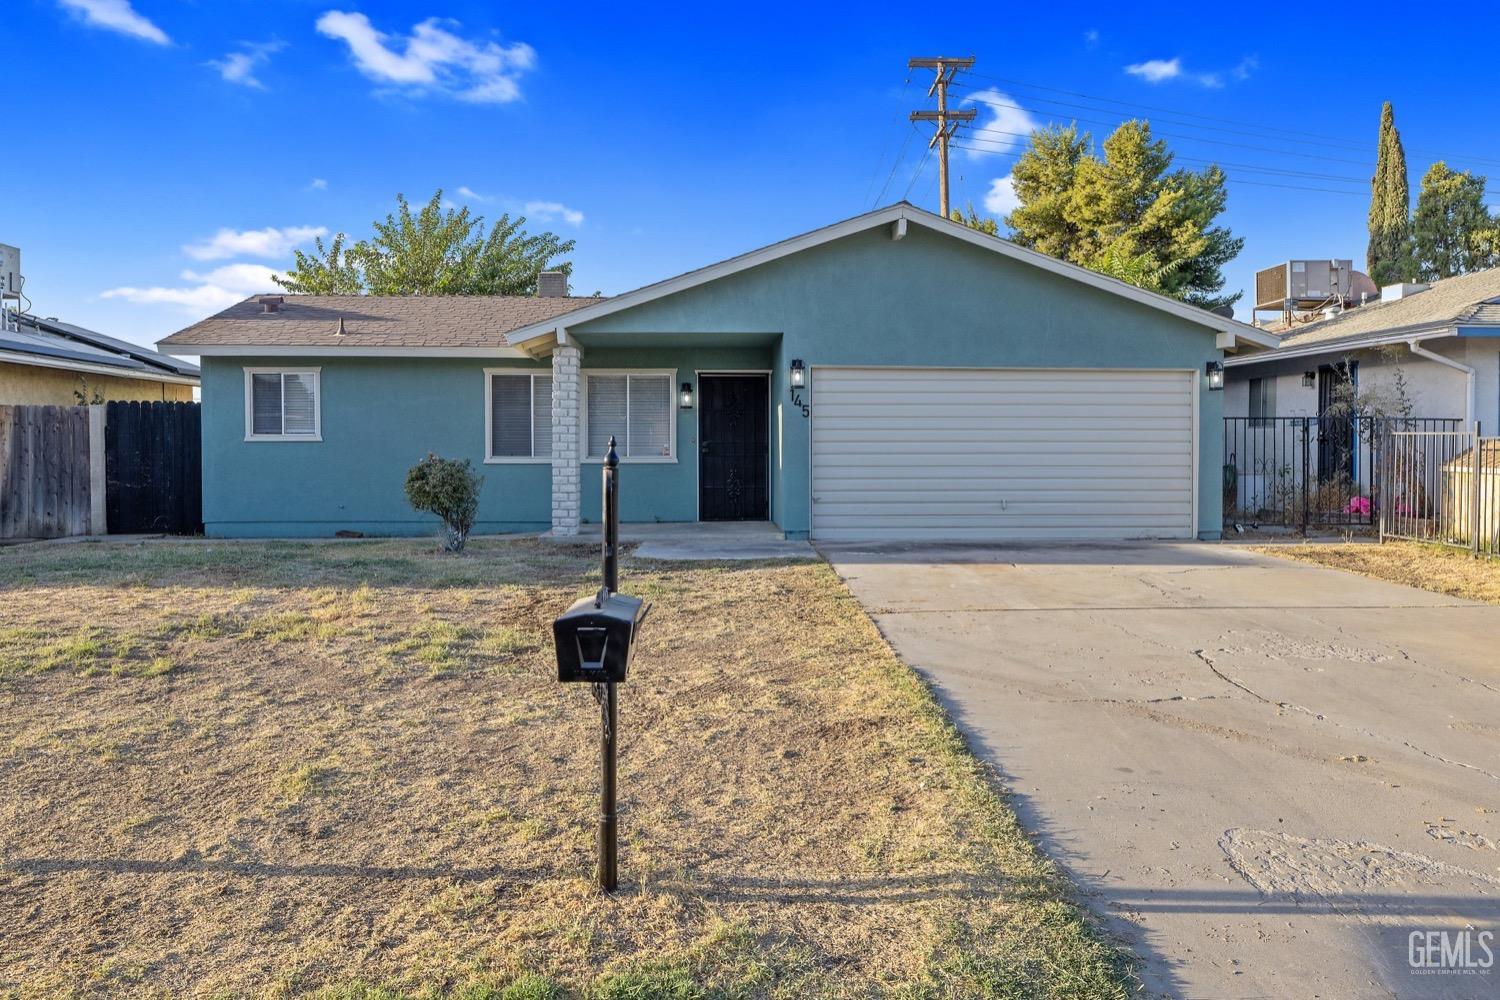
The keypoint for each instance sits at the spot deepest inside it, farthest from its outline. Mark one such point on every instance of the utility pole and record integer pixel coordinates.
(947, 121)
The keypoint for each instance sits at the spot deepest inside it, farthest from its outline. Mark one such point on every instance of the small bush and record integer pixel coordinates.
(450, 489)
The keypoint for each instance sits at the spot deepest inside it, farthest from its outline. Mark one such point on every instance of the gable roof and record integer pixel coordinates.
(1467, 300)
(54, 344)
(374, 321)
(897, 216)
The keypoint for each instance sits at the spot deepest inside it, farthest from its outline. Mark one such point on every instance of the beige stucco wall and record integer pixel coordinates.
(34, 385)
(1435, 390)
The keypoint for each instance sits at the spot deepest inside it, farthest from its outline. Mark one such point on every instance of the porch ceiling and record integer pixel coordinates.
(671, 339)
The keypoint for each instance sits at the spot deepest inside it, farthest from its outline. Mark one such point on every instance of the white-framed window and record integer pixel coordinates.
(283, 404)
(638, 407)
(517, 416)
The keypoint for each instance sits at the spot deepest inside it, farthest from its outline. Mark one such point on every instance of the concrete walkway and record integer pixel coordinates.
(708, 541)
(1265, 775)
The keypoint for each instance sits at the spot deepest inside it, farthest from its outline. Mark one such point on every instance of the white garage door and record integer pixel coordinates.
(907, 453)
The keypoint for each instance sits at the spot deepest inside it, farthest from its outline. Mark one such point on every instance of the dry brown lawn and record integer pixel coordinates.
(1430, 567)
(347, 770)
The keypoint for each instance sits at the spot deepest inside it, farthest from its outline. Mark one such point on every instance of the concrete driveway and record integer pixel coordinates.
(1264, 775)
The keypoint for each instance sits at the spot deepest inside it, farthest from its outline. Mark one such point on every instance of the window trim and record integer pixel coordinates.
(315, 436)
(489, 417)
(672, 412)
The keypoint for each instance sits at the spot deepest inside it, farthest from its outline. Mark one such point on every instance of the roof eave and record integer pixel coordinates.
(1354, 342)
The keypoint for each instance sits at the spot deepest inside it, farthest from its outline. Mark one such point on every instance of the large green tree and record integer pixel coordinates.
(1388, 258)
(1452, 230)
(431, 251)
(1128, 213)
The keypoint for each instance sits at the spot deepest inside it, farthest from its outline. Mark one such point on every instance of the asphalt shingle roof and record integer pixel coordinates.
(1452, 301)
(375, 321)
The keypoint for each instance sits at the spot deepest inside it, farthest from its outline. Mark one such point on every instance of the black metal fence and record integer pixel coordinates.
(1302, 472)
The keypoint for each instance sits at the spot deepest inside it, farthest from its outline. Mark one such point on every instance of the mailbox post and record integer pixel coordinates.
(609, 827)
(595, 639)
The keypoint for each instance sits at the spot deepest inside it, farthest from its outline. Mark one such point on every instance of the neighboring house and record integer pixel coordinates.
(1445, 338)
(47, 361)
(895, 375)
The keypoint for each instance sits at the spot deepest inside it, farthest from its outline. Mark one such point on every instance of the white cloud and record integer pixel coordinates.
(318, 184)
(1091, 37)
(116, 15)
(470, 194)
(267, 243)
(1000, 200)
(1008, 128)
(211, 291)
(546, 211)
(1163, 70)
(1156, 70)
(240, 66)
(432, 58)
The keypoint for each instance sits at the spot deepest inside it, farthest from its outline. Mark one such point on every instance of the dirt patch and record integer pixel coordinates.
(1430, 567)
(279, 769)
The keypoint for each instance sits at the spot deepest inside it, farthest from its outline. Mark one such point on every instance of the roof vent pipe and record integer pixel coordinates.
(270, 303)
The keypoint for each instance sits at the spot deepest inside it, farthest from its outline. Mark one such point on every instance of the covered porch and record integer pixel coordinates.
(695, 418)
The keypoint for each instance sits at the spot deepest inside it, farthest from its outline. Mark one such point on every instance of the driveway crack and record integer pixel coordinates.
(1208, 661)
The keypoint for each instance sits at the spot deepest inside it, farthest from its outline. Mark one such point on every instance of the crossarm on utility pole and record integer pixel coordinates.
(945, 69)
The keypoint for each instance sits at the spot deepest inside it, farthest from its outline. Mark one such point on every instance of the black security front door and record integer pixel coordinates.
(733, 447)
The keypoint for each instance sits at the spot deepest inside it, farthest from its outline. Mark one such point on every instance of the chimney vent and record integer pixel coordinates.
(270, 303)
(552, 285)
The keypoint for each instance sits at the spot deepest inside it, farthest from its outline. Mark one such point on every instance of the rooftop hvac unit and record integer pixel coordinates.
(1305, 284)
(10, 272)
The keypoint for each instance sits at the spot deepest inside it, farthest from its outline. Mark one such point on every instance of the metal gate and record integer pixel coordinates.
(1443, 487)
(153, 468)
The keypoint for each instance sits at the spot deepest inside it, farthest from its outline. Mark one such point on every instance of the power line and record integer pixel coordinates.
(881, 160)
(900, 156)
(1309, 175)
(1215, 142)
(1321, 138)
(906, 195)
(1229, 178)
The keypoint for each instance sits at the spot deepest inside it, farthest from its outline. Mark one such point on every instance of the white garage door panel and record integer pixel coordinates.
(1001, 454)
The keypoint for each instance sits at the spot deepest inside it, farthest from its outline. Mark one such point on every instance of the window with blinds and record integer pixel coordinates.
(520, 415)
(637, 409)
(282, 405)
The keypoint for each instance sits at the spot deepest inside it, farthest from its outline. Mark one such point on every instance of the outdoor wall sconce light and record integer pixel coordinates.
(797, 373)
(1215, 372)
(1309, 379)
(685, 398)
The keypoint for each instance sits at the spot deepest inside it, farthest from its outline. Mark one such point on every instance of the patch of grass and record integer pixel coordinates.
(799, 819)
(298, 783)
(1437, 568)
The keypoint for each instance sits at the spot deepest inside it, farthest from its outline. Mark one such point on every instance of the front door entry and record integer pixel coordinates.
(734, 447)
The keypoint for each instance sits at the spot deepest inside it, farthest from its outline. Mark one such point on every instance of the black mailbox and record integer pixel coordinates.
(594, 637)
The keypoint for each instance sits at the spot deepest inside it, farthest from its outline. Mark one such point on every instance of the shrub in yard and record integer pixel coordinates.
(450, 489)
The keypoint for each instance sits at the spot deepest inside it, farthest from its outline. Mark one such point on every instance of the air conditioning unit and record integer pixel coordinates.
(10, 272)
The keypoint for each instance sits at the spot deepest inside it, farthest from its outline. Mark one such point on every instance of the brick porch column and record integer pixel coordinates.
(567, 440)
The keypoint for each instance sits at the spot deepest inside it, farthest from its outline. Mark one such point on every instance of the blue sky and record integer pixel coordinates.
(167, 154)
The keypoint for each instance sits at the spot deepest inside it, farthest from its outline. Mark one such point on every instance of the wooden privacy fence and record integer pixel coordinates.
(118, 468)
(1444, 488)
(46, 485)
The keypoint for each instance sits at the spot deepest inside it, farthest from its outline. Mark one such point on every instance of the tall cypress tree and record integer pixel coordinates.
(1389, 257)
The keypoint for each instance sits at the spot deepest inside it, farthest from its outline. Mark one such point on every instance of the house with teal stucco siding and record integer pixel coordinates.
(892, 376)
